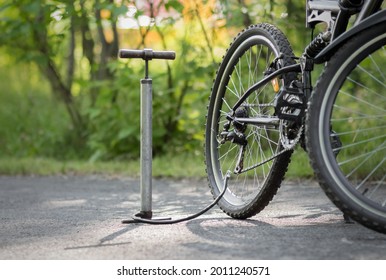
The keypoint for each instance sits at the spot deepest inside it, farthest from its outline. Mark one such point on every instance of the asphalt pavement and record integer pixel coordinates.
(79, 217)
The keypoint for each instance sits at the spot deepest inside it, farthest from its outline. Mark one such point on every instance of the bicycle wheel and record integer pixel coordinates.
(345, 128)
(251, 152)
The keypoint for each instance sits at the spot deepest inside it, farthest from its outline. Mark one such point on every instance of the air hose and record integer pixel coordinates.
(137, 219)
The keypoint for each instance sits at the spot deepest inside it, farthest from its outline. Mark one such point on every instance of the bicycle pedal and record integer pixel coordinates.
(289, 103)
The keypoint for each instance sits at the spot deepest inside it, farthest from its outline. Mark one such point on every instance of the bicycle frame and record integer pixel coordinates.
(336, 14)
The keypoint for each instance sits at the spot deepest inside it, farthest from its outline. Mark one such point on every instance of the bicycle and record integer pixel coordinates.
(263, 104)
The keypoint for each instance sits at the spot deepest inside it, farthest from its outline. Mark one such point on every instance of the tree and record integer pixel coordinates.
(75, 45)
(39, 30)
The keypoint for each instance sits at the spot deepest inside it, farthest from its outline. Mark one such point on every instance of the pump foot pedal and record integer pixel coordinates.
(138, 219)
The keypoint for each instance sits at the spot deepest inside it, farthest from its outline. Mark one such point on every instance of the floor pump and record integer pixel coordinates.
(146, 214)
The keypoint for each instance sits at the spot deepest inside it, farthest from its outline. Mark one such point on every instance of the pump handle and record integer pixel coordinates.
(147, 54)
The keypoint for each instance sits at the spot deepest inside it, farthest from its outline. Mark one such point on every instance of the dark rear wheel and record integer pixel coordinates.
(253, 153)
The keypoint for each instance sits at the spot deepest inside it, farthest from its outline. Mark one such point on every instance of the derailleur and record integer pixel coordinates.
(236, 135)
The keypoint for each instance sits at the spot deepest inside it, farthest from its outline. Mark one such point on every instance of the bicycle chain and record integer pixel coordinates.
(296, 140)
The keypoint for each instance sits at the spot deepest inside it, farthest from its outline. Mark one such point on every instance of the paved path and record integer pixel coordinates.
(80, 218)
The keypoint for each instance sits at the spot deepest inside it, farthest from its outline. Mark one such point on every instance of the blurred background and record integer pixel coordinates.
(68, 104)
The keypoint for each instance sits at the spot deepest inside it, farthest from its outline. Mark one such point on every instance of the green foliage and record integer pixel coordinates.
(93, 109)
(32, 122)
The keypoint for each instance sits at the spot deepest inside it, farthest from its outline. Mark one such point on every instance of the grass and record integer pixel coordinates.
(177, 167)
(46, 166)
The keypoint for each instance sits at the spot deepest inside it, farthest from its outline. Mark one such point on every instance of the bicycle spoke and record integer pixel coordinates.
(370, 174)
(363, 101)
(365, 130)
(359, 143)
(361, 156)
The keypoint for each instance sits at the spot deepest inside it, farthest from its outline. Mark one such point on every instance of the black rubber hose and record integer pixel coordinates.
(136, 219)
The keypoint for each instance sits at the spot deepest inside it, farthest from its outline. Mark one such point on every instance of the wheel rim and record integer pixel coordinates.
(262, 142)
